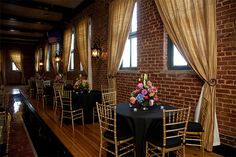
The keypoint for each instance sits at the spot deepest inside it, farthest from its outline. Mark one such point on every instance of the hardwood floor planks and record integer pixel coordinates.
(85, 141)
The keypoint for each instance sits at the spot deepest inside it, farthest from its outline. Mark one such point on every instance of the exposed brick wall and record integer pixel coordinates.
(226, 75)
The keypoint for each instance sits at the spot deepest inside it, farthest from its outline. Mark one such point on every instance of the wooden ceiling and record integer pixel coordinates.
(28, 21)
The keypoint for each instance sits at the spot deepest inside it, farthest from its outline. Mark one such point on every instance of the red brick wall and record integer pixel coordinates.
(226, 75)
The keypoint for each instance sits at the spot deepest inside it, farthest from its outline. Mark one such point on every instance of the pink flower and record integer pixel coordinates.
(151, 102)
(149, 83)
(140, 85)
(156, 99)
(145, 97)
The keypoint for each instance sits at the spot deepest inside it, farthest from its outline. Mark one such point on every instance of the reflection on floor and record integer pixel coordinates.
(21, 144)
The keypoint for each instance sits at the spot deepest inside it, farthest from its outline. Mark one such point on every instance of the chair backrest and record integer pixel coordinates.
(109, 98)
(107, 119)
(39, 85)
(46, 83)
(57, 87)
(107, 90)
(175, 124)
(66, 99)
(69, 82)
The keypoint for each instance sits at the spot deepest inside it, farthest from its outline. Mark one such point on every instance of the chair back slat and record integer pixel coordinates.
(66, 99)
(109, 98)
(175, 124)
(107, 118)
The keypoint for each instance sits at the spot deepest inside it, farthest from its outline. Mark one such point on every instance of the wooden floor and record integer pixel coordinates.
(85, 140)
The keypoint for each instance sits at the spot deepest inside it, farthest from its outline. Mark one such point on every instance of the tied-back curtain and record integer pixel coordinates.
(82, 42)
(191, 24)
(66, 50)
(53, 56)
(120, 16)
(17, 58)
(37, 60)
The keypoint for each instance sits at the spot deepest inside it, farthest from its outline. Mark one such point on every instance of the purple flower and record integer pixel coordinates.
(144, 92)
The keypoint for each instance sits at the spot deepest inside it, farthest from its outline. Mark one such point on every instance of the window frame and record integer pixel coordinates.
(170, 58)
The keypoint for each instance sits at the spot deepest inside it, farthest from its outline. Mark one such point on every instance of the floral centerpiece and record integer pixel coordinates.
(145, 93)
(81, 84)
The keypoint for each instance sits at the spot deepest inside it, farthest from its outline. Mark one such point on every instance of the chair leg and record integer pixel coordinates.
(61, 117)
(72, 120)
(83, 118)
(202, 143)
(100, 150)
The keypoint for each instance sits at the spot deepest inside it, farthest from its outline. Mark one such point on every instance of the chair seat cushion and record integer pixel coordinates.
(157, 139)
(122, 134)
(194, 127)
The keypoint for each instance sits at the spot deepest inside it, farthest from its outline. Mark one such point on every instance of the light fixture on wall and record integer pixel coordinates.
(97, 50)
(41, 63)
(57, 58)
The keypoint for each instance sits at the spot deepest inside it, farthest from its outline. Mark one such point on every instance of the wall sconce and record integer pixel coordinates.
(57, 58)
(97, 50)
(40, 62)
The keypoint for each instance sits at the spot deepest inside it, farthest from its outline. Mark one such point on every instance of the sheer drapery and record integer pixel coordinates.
(192, 27)
(17, 58)
(82, 42)
(66, 50)
(120, 16)
(45, 56)
(53, 56)
(37, 60)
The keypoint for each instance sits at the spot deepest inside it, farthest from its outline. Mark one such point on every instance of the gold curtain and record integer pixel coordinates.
(45, 56)
(66, 50)
(192, 27)
(120, 16)
(53, 56)
(37, 60)
(82, 42)
(17, 58)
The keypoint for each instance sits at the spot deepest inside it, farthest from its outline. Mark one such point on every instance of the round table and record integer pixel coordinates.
(142, 122)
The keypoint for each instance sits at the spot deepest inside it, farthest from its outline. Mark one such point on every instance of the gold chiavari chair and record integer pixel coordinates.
(5, 124)
(39, 88)
(173, 136)
(112, 134)
(57, 88)
(70, 111)
(105, 91)
(195, 131)
(109, 98)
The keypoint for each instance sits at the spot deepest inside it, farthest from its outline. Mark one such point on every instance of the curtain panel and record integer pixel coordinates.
(17, 58)
(82, 42)
(191, 25)
(66, 50)
(53, 56)
(120, 16)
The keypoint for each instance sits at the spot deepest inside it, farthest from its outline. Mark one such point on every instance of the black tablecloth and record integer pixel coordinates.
(142, 123)
(87, 100)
